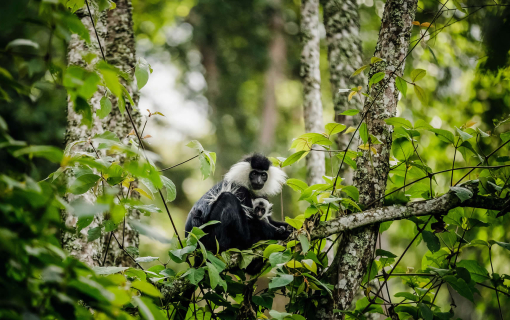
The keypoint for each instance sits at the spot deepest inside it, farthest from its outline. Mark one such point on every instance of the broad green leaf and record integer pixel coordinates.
(83, 183)
(294, 158)
(398, 122)
(384, 253)
(478, 272)
(460, 286)
(305, 244)
(422, 124)
(363, 303)
(402, 149)
(352, 192)
(51, 153)
(297, 185)
(297, 222)
(401, 85)
(376, 78)
(148, 309)
(425, 311)
(136, 273)
(385, 226)
(443, 135)
(462, 193)
(505, 136)
(417, 74)
(431, 240)
(149, 231)
(458, 6)
(350, 112)
(310, 265)
(420, 94)
(281, 281)
(94, 233)
(194, 275)
(171, 191)
(294, 264)
(375, 60)
(146, 288)
(142, 73)
(106, 108)
(217, 263)
(334, 128)
(215, 277)
(503, 244)
(272, 248)
(263, 300)
(83, 222)
(276, 258)
(407, 295)
(463, 135)
(109, 226)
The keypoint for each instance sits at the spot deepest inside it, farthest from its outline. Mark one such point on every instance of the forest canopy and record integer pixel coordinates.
(391, 120)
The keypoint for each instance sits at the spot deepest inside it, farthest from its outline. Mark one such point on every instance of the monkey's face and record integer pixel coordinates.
(259, 211)
(257, 179)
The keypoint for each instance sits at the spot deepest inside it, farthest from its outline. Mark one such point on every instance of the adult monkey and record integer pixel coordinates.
(230, 202)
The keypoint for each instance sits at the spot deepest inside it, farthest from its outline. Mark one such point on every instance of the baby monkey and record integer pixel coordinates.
(262, 210)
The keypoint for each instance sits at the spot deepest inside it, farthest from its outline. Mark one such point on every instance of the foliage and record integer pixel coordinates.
(44, 282)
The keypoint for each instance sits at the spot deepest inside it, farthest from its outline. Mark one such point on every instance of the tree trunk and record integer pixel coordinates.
(273, 76)
(341, 20)
(358, 246)
(115, 32)
(311, 79)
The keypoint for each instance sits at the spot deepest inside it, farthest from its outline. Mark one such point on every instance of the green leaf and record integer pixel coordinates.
(194, 275)
(443, 135)
(276, 258)
(214, 277)
(375, 60)
(82, 107)
(352, 192)
(460, 286)
(385, 226)
(51, 153)
(420, 94)
(505, 136)
(296, 222)
(149, 231)
(263, 300)
(296, 184)
(384, 253)
(22, 42)
(294, 158)
(478, 272)
(94, 233)
(463, 135)
(109, 226)
(431, 240)
(417, 74)
(106, 108)
(334, 128)
(503, 244)
(350, 112)
(142, 73)
(218, 264)
(462, 193)
(136, 273)
(271, 249)
(399, 122)
(305, 244)
(363, 132)
(104, 271)
(401, 85)
(84, 222)
(146, 259)
(83, 183)
(402, 149)
(171, 191)
(458, 6)
(146, 288)
(407, 295)
(209, 223)
(281, 281)
(148, 309)
(376, 78)
(360, 70)
(426, 312)
(422, 124)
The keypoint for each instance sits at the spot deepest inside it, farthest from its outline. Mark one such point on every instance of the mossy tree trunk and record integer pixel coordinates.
(357, 249)
(115, 32)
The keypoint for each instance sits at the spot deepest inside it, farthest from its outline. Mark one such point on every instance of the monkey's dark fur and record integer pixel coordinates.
(230, 202)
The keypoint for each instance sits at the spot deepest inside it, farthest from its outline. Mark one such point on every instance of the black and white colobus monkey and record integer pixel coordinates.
(230, 202)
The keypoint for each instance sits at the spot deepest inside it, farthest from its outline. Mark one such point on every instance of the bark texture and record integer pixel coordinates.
(345, 55)
(358, 246)
(115, 32)
(311, 79)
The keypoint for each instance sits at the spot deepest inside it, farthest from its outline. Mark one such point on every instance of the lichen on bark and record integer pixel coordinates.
(311, 80)
(357, 250)
(115, 33)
